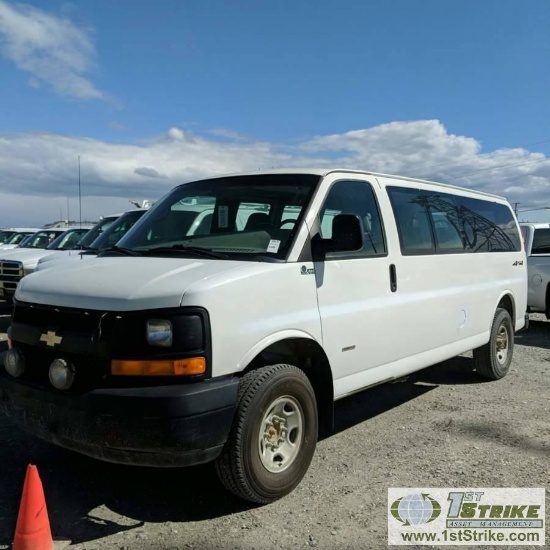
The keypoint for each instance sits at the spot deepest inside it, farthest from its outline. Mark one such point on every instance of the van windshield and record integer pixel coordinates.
(95, 232)
(41, 239)
(67, 240)
(244, 217)
(116, 230)
(18, 238)
(5, 236)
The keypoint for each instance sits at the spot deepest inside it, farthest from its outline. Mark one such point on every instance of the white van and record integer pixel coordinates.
(109, 235)
(232, 345)
(13, 237)
(12, 268)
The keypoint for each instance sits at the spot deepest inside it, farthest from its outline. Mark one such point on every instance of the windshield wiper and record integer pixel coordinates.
(122, 251)
(180, 248)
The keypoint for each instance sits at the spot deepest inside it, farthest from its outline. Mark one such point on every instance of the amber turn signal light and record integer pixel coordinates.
(160, 367)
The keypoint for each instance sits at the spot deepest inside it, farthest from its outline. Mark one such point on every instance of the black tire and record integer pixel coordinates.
(240, 466)
(490, 361)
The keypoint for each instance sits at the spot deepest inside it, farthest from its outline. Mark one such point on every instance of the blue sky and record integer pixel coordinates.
(154, 93)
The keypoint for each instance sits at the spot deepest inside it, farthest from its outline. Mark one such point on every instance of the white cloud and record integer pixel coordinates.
(45, 165)
(51, 48)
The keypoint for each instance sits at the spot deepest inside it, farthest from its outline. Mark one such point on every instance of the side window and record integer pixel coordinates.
(488, 226)
(541, 242)
(446, 223)
(354, 197)
(460, 224)
(413, 224)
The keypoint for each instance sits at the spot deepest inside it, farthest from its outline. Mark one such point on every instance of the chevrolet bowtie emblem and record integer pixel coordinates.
(51, 338)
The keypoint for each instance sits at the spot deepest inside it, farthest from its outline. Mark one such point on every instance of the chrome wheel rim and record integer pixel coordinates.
(280, 437)
(502, 344)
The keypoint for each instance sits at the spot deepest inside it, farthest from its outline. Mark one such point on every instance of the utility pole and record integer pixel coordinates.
(79, 193)
(516, 208)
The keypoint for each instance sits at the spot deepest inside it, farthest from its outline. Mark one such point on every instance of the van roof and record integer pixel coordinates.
(536, 225)
(20, 229)
(325, 171)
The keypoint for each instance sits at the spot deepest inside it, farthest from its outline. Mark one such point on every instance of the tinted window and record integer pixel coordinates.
(488, 226)
(353, 197)
(413, 223)
(541, 242)
(459, 224)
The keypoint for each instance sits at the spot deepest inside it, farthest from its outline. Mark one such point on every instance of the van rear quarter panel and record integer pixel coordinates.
(454, 294)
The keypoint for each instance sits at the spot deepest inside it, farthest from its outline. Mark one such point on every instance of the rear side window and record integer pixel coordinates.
(541, 242)
(430, 222)
(413, 222)
(488, 226)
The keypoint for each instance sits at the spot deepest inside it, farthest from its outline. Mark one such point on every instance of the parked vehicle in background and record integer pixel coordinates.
(231, 344)
(537, 245)
(19, 262)
(12, 238)
(108, 238)
(103, 223)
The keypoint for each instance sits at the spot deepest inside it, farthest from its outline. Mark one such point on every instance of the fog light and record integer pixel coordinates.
(61, 374)
(14, 363)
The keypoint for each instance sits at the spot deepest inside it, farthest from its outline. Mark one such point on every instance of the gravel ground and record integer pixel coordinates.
(442, 427)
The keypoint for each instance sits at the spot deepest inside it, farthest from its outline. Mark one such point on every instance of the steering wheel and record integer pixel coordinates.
(284, 222)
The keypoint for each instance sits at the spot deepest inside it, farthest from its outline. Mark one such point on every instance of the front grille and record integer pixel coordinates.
(80, 321)
(10, 274)
(92, 368)
(90, 339)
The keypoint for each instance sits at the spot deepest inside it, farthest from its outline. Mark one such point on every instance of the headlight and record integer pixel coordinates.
(27, 271)
(159, 333)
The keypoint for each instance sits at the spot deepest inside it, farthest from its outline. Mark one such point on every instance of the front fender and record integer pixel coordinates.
(264, 343)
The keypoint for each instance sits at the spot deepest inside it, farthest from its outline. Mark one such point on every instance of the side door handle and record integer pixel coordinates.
(393, 278)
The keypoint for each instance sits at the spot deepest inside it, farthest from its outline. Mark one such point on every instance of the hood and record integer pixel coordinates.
(64, 255)
(28, 256)
(119, 283)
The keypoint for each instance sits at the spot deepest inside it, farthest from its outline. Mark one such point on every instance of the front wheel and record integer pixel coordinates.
(273, 437)
(492, 361)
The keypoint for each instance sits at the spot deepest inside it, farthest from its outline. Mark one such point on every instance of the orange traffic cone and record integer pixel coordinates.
(33, 526)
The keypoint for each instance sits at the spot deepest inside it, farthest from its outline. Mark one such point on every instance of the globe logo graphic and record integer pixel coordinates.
(415, 509)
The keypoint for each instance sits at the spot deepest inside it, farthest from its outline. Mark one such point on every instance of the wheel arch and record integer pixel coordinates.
(308, 355)
(506, 301)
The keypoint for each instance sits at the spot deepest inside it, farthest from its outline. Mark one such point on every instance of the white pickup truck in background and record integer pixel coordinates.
(537, 247)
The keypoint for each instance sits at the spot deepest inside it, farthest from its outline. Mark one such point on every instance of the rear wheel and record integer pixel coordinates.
(273, 437)
(492, 361)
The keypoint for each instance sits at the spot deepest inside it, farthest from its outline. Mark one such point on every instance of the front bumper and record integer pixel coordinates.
(161, 426)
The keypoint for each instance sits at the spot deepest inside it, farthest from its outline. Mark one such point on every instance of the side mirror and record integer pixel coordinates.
(347, 236)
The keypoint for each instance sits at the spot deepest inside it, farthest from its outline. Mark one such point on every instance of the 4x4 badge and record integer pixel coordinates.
(51, 338)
